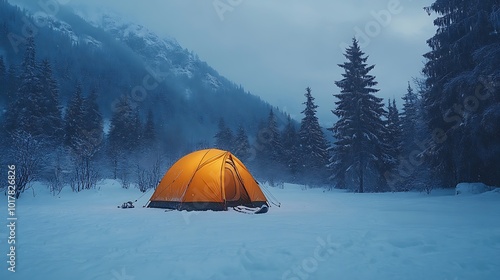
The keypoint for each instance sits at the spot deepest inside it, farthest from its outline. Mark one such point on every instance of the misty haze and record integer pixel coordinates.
(234, 139)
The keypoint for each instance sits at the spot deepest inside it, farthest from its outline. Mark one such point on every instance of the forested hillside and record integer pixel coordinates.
(106, 91)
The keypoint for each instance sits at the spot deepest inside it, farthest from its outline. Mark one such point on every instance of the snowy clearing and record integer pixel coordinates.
(314, 235)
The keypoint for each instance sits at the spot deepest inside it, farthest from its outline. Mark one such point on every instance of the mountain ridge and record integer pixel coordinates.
(117, 57)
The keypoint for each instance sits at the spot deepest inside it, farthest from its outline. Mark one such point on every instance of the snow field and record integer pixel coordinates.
(314, 235)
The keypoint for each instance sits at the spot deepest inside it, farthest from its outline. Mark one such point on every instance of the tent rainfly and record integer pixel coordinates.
(208, 179)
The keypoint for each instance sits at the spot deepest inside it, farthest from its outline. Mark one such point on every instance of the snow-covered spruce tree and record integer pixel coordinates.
(313, 151)
(359, 152)
(84, 137)
(224, 137)
(411, 168)
(409, 120)
(93, 128)
(269, 150)
(241, 144)
(120, 142)
(49, 120)
(149, 156)
(461, 71)
(290, 142)
(74, 120)
(23, 112)
(33, 107)
(393, 137)
(32, 97)
(274, 147)
(50, 116)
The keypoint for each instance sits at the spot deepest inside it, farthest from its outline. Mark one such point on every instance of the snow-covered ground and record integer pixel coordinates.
(314, 235)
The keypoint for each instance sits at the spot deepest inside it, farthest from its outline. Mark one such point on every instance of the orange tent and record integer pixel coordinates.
(207, 180)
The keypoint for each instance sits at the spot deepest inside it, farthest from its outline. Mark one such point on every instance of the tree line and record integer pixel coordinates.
(277, 155)
(68, 144)
(370, 139)
(447, 130)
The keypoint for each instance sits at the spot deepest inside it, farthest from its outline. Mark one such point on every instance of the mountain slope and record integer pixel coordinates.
(119, 58)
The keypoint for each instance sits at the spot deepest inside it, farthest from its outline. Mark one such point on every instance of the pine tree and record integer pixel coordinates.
(359, 149)
(393, 138)
(224, 137)
(313, 145)
(28, 98)
(50, 117)
(269, 150)
(272, 146)
(120, 140)
(84, 135)
(464, 51)
(412, 171)
(409, 120)
(93, 125)
(241, 144)
(122, 124)
(74, 121)
(290, 141)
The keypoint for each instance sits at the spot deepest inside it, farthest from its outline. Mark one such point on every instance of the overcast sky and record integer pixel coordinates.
(276, 48)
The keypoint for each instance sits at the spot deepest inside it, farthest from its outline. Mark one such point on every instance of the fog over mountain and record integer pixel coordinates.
(276, 49)
(111, 54)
